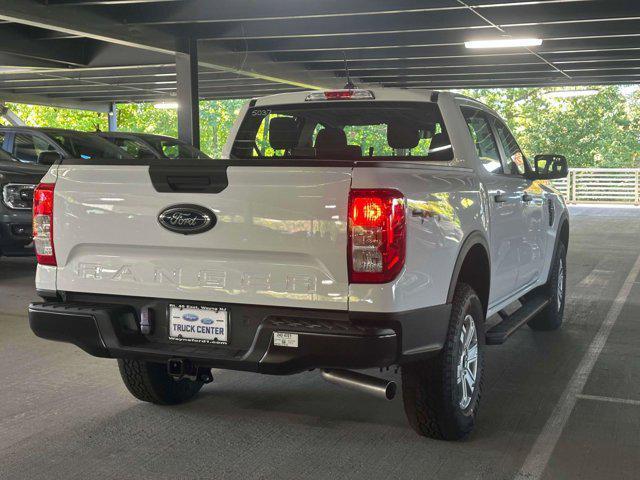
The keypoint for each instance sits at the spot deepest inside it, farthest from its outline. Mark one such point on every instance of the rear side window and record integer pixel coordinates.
(483, 139)
(87, 146)
(4, 155)
(174, 149)
(345, 130)
(27, 148)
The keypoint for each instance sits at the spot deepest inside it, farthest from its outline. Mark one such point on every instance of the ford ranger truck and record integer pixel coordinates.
(343, 230)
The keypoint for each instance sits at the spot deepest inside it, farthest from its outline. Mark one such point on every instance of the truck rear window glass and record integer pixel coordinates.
(345, 131)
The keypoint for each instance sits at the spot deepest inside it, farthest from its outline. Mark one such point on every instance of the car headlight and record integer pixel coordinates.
(18, 196)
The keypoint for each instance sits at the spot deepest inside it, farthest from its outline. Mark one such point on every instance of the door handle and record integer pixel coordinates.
(500, 198)
(526, 197)
(194, 179)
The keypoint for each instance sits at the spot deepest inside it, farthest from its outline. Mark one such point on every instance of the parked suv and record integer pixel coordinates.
(144, 146)
(343, 230)
(46, 145)
(17, 183)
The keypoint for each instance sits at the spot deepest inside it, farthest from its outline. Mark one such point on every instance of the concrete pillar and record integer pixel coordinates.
(187, 79)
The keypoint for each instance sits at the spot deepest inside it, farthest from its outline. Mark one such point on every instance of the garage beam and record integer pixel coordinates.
(391, 41)
(90, 25)
(102, 107)
(102, 2)
(188, 98)
(14, 42)
(536, 13)
(13, 64)
(205, 11)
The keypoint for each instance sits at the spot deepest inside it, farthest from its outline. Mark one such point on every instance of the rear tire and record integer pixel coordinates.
(442, 394)
(150, 382)
(551, 317)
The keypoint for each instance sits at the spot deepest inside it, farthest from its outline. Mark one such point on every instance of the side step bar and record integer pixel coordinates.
(499, 333)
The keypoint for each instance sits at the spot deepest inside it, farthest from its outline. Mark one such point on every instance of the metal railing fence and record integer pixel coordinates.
(601, 185)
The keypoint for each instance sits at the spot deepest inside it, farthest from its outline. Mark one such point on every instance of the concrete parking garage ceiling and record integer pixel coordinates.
(88, 53)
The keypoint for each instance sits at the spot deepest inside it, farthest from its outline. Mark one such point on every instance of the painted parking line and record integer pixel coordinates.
(597, 278)
(594, 282)
(598, 398)
(539, 455)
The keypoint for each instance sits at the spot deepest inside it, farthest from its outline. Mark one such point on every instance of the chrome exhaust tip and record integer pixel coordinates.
(378, 387)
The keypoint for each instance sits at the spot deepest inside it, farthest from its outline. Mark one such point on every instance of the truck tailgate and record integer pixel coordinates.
(280, 237)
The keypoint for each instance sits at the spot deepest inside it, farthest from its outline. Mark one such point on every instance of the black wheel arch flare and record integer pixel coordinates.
(475, 238)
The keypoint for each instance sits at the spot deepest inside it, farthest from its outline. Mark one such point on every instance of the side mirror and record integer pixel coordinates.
(49, 157)
(548, 167)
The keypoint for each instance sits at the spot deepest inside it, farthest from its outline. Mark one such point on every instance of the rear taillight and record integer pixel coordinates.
(43, 224)
(377, 235)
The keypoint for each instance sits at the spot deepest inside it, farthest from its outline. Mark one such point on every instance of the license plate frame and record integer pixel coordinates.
(190, 323)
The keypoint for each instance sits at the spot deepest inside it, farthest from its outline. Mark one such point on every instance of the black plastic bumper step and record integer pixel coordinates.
(499, 333)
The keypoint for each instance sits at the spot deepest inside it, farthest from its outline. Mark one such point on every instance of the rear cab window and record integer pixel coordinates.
(344, 130)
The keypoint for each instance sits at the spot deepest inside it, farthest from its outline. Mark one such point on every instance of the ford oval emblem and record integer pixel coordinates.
(206, 321)
(190, 317)
(187, 219)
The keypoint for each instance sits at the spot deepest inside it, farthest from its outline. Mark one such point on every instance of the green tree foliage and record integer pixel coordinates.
(216, 120)
(42, 116)
(591, 131)
(145, 118)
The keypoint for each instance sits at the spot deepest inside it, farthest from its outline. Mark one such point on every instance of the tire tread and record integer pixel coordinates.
(550, 318)
(149, 382)
(428, 389)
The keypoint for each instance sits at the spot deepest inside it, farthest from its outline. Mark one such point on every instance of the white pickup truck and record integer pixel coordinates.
(342, 230)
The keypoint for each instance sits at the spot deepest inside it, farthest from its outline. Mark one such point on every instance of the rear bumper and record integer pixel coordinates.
(326, 339)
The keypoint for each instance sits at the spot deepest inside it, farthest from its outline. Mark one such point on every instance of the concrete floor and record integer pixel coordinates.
(66, 415)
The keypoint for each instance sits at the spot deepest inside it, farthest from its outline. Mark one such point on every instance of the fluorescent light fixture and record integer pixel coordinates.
(504, 43)
(571, 93)
(167, 105)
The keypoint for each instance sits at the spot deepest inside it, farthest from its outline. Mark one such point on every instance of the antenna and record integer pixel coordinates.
(350, 85)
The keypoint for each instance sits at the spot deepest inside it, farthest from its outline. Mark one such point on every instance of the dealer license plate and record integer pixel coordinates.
(198, 324)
